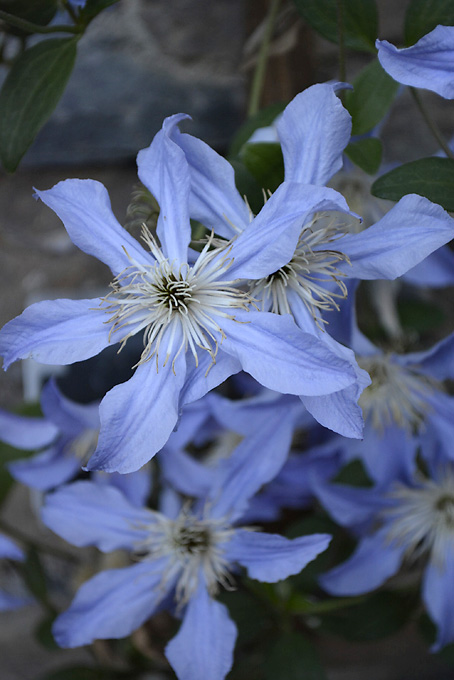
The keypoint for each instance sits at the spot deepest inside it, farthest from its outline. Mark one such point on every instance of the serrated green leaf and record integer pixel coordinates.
(372, 95)
(293, 658)
(423, 16)
(263, 118)
(366, 154)
(360, 19)
(380, 615)
(30, 93)
(265, 162)
(429, 177)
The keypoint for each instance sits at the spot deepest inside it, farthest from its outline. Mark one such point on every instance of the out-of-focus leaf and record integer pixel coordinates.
(293, 657)
(353, 474)
(87, 673)
(366, 154)
(372, 95)
(423, 16)
(34, 575)
(265, 162)
(248, 186)
(380, 615)
(360, 19)
(40, 12)
(30, 93)
(43, 633)
(429, 177)
(249, 614)
(94, 7)
(263, 118)
(420, 316)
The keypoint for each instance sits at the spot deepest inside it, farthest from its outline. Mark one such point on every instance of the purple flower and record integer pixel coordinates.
(427, 64)
(183, 554)
(197, 324)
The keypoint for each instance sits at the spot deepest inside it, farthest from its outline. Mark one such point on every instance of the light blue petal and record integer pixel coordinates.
(269, 242)
(270, 557)
(9, 549)
(138, 416)
(282, 357)
(373, 562)
(436, 271)
(245, 416)
(83, 205)
(255, 461)
(70, 417)
(438, 596)
(436, 362)
(86, 513)
(46, 470)
(214, 199)
(112, 604)
(203, 647)
(163, 169)
(24, 432)
(187, 475)
(338, 411)
(349, 506)
(135, 486)
(408, 233)
(55, 332)
(206, 376)
(314, 130)
(428, 64)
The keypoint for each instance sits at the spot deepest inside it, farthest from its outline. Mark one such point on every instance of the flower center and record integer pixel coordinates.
(176, 306)
(397, 395)
(195, 549)
(422, 518)
(310, 274)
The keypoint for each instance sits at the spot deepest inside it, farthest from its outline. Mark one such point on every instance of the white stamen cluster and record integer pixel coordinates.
(396, 396)
(178, 301)
(195, 549)
(422, 518)
(310, 268)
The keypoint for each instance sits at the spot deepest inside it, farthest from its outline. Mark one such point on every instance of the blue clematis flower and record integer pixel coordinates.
(407, 522)
(197, 324)
(69, 434)
(9, 550)
(183, 555)
(428, 64)
(322, 250)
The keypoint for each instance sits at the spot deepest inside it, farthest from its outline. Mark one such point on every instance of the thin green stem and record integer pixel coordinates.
(431, 124)
(262, 59)
(36, 28)
(340, 25)
(29, 542)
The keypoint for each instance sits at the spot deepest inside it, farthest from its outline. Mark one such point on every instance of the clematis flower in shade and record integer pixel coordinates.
(9, 550)
(183, 555)
(197, 323)
(322, 250)
(428, 64)
(406, 523)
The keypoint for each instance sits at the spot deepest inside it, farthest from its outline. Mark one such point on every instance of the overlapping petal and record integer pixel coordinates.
(428, 64)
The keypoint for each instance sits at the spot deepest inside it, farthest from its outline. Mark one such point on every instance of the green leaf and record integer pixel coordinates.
(380, 615)
(265, 162)
(43, 633)
(263, 118)
(30, 93)
(353, 474)
(293, 657)
(429, 177)
(39, 12)
(366, 154)
(360, 19)
(423, 16)
(372, 95)
(34, 575)
(420, 316)
(248, 186)
(94, 7)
